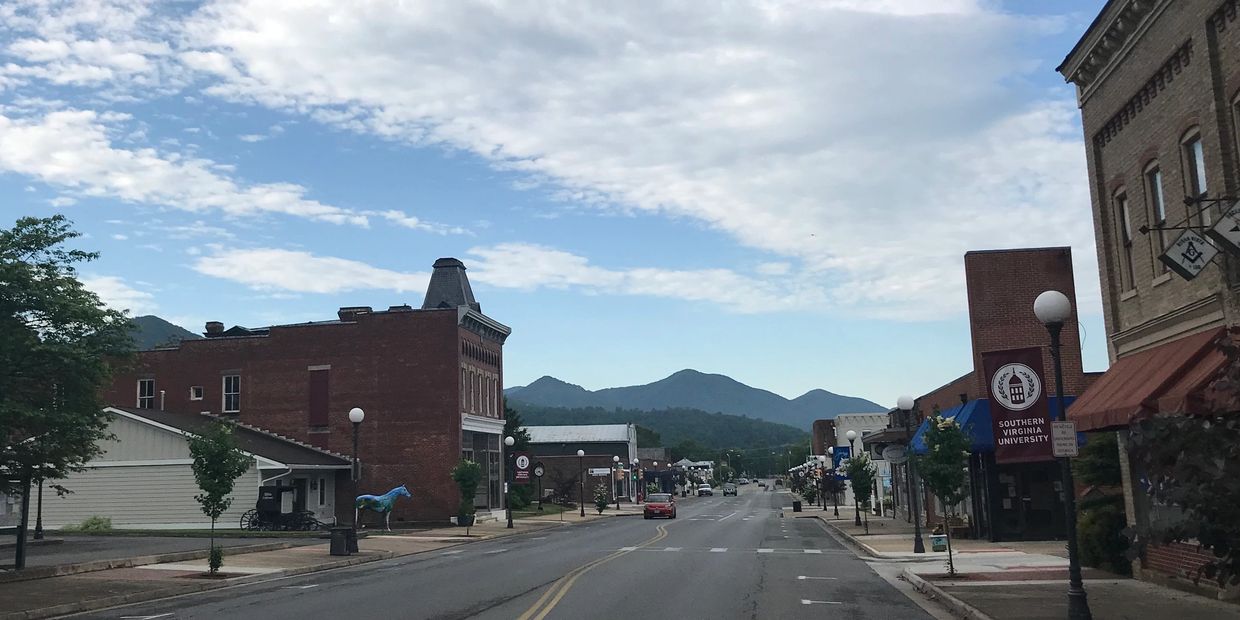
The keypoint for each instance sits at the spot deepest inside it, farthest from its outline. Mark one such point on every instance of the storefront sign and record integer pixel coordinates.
(1226, 232)
(895, 455)
(1019, 417)
(1189, 254)
(600, 471)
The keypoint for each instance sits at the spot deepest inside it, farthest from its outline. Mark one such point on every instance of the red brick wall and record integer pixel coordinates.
(401, 368)
(1002, 285)
(823, 435)
(948, 396)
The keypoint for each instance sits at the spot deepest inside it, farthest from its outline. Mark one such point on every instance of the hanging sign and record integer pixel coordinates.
(521, 473)
(838, 456)
(1190, 254)
(1227, 231)
(1019, 417)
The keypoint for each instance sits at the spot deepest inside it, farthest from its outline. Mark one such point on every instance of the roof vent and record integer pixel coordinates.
(350, 313)
(214, 328)
(400, 308)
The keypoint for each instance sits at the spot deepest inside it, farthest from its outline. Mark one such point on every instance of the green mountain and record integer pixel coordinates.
(715, 431)
(690, 389)
(151, 331)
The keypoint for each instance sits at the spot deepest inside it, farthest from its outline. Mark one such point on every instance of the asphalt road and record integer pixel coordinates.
(733, 557)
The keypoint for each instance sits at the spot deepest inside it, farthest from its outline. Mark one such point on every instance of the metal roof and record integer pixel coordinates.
(583, 433)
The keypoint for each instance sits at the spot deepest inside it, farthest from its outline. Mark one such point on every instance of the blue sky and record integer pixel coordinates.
(777, 191)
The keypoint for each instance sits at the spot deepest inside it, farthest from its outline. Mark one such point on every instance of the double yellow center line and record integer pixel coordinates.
(552, 596)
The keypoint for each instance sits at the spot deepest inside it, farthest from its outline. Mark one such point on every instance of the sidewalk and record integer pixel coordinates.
(144, 579)
(1014, 580)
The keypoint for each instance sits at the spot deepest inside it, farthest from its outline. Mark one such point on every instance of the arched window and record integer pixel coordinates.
(1157, 213)
(1195, 184)
(1123, 221)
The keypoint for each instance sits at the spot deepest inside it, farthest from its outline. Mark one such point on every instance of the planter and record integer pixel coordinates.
(938, 542)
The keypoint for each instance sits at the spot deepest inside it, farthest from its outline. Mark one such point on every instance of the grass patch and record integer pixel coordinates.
(532, 510)
(194, 533)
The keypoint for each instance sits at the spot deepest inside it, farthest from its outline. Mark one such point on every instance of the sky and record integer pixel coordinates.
(777, 191)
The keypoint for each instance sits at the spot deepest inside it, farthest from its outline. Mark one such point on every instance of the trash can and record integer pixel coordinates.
(340, 540)
(938, 542)
(796, 505)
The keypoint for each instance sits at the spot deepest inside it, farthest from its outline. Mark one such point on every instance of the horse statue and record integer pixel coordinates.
(381, 504)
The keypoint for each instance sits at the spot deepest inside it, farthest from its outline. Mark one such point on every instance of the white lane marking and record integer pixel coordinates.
(785, 536)
(148, 617)
(539, 538)
(452, 552)
(628, 548)
(671, 548)
(806, 601)
(744, 518)
(313, 585)
(818, 551)
(718, 549)
(804, 577)
(726, 518)
(766, 551)
(496, 551)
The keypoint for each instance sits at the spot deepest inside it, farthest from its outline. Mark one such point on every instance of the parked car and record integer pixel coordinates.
(762, 484)
(743, 481)
(704, 489)
(660, 505)
(729, 489)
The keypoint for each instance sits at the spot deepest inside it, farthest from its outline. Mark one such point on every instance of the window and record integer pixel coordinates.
(322, 491)
(1195, 175)
(195, 393)
(320, 398)
(146, 393)
(232, 393)
(1158, 211)
(1124, 220)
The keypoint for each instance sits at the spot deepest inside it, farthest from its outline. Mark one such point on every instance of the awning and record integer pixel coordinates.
(1164, 379)
(885, 436)
(974, 418)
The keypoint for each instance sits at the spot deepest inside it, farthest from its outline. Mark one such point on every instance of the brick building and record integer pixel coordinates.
(430, 382)
(1158, 85)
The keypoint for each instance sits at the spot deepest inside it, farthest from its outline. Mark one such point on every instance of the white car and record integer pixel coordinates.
(704, 489)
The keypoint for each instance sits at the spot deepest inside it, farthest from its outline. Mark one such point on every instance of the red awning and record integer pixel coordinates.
(1164, 379)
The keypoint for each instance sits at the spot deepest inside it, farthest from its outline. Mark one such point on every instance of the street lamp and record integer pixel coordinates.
(852, 436)
(637, 493)
(581, 489)
(615, 487)
(509, 441)
(38, 518)
(1053, 308)
(905, 405)
(835, 495)
(822, 480)
(356, 415)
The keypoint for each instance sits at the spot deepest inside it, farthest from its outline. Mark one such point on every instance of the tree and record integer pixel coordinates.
(943, 468)
(467, 475)
(217, 465)
(1192, 467)
(1100, 518)
(519, 495)
(600, 497)
(58, 345)
(647, 438)
(862, 472)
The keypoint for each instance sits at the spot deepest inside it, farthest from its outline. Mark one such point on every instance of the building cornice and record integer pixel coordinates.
(482, 324)
(1108, 39)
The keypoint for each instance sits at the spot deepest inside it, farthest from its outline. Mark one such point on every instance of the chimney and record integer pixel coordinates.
(449, 287)
(214, 328)
(350, 313)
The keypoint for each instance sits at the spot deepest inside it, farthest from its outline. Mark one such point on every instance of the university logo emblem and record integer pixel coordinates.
(1016, 387)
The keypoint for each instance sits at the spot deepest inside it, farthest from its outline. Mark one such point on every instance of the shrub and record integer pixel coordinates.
(94, 523)
(216, 559)
(1100, 535)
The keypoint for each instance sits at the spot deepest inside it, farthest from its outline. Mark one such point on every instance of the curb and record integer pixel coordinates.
(60, 570)
(933, 592)
(848, 540)
(34, 543)
(143, 597)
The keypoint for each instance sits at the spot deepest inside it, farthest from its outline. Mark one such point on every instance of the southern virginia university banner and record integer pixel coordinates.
(1019, 407)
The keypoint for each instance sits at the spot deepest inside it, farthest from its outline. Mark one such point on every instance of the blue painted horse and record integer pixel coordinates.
(381, 504)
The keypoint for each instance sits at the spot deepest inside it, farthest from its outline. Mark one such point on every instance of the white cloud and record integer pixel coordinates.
(269, 269)
(114, 292)
(527, 266)
(62, 201)
(252, 137)
(119, 237)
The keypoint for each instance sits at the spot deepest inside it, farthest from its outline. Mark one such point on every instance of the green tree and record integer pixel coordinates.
(943, 468)
(647, 438)
(217, 465)
(1100, 519)
(600, 497)
(519, 495)
(1098, 463)
(58, 347)
(862, 473)
(467, 475)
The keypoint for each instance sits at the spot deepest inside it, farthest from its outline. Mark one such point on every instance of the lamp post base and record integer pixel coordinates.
(1078, 605)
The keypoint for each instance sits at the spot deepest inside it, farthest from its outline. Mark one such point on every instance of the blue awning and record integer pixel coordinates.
(974, 418)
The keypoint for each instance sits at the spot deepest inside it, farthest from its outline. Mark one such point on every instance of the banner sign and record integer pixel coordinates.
(600, 471)
(838, 456)
(1019, 411)
(521, 473)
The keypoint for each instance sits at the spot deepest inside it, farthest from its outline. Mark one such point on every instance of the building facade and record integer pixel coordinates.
(1158, 86)
(610, 450)
(429, 380)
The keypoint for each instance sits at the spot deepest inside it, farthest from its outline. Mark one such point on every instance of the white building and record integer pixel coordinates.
(864, 424)
(143, 477)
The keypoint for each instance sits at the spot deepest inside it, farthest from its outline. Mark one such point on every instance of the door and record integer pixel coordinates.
(299, 495)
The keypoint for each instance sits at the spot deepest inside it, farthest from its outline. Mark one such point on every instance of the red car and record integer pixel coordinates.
(660, 505)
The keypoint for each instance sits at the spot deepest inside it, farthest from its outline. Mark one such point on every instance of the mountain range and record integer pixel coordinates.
(696, 390)
(151, 331)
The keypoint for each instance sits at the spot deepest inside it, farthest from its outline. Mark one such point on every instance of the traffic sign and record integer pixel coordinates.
(600, 471)
(1063, 439)
(521, 469)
